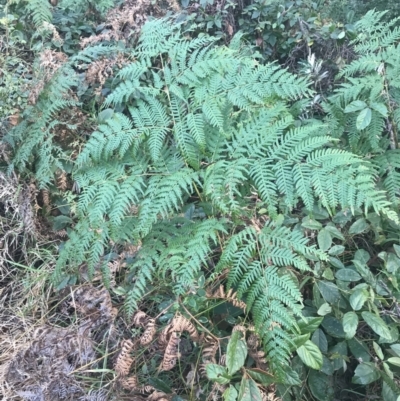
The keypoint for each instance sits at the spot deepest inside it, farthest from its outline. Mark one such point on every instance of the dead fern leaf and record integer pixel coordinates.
(164, 336)
(157, 396)
(124, 360)
(229, 296)
(129, 383)
(180, 323)
(171, 352)
(140, 319)
(149, 332)
(62, 182)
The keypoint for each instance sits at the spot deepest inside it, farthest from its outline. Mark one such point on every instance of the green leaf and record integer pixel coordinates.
(262, 377)
(358, 298)
(329, 291)
(160, 385)
(299, 340)
(324, 309)
(336, 250)
(336, 263)
(356, 105)
(310, 354)
(396, 349)
(347, 275)
(105, 115)
(350, 323)
(236, 353)
(334, 232)
(378, 350)
(333, 327)
(61, 222)
(359, 350)
(394, 361)
(319, 339)
(362, 256)
(380, 108)
(230, 394)
(358, 226)
(376, 324)
(320, 386)
(364, 119)
(217, 373)
(324, 240)
(249, 391)
(309, 324)
(365, 373)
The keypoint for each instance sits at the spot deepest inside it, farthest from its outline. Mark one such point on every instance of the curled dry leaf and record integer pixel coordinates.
(149, 332)
(180, 323)
(124, 360)
(171, 352)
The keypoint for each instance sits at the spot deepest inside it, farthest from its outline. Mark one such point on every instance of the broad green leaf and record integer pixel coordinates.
(105, 115)
(299, 340)
(358, 298)
(262, 377)
(380, 108)
(324, 240)
(394, 361)
(336, 250)
(356, 105)
(378, 350)
(324, 309)
(333, 327)
(291, 377)
(334, 232)
(248, 390)
(336, 262)
(376, 324)
(320, 386)
(358, 226)
(310, 354)
(364, 119)
(365, 373)
(236, 353)
(217, 373)
(350, 323)
(359, 350)
(388, 394)
(311, 224)
(160, 385)
(327, 366)
(338, 355)
(362, 256)
(347, 275)
(319, 339)
(397, 249)
(309, 324)
(329, 291)
(230, 394)
(396, 349)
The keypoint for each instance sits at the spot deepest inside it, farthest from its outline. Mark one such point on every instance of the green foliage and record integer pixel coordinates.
(365, 108)
(210, 124)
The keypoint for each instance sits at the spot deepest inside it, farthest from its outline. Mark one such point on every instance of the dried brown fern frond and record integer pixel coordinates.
(210, 350)
(129, 383)
(98, 71)
(180, 324)
(157, 396)
(124, 361)
(61, 179)
(171, 354)
(164, 335)
(229, 296)
(140, 319)
(150, 330)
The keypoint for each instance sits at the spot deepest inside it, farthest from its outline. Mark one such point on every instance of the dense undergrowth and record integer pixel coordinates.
(199, 200)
